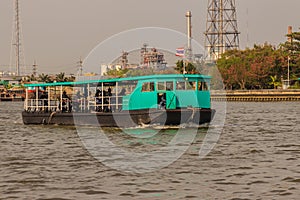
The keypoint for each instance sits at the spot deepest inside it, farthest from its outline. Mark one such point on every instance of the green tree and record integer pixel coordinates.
(291, 53)
(117, 72)
(274, 82)
(189, 67)
(60, 77)
(233, 67)
(251, 68)
(31, 78)
(44, 78)
(71, 78)
(262, 61)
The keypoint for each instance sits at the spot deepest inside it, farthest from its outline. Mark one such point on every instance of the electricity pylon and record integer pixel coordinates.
(221, 28)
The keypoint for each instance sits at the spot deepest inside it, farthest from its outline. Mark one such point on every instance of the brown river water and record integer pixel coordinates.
(256, 157)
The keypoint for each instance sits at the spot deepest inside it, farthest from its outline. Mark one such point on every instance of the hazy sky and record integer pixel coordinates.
(56, 33)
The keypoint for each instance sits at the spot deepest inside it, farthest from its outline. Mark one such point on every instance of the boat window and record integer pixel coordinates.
(148, 87)
(191, 85)
(202, 86)
(161, 85)
(180, 85)
(205, 86)
(128, 85)
(169, 85)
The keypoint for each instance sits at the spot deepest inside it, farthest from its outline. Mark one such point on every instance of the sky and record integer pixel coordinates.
(56, 33)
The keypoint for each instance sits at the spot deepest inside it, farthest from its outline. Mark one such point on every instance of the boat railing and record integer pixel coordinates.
(42, 105)
(105, 103)
(97, 104)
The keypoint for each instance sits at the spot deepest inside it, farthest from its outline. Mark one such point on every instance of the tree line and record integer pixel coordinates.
(261, 67)
(46, 78)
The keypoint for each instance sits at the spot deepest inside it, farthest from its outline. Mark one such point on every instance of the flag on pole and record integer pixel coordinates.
(180, 52)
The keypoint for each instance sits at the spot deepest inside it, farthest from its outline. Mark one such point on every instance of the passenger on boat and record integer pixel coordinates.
(98, 93)
(123, 92)
(98, 99)
(78, 95)
(106, 100)
(66, 103)
(162, 101)
(65, 96)
(109, 92)
(44, 99)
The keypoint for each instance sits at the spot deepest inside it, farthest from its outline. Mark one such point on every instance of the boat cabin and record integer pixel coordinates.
(166, 91)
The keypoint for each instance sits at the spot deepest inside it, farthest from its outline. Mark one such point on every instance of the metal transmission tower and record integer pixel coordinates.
(80, 68)
(221, 28)
(34, 69)
(17, 35)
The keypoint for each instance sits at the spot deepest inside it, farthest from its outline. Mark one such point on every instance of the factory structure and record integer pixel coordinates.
(150, 57)
(221, 35)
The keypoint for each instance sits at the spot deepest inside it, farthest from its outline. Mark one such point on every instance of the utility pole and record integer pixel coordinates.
(221, 28)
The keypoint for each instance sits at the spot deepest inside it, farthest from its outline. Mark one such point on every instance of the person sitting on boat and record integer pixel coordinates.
(66, 102)
(98, 99)
(123, 92)
(98, 94)
(78, 95)
(44, 98)
(65, 96)
(109, 92)
(105, 107)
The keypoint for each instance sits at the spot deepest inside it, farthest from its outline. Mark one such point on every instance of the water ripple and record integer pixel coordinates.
(256, 157)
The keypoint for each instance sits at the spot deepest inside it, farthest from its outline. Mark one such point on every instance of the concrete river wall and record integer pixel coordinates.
(255, 95)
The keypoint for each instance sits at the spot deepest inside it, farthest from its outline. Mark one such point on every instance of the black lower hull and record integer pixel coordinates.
(121, 119)
(11, 99)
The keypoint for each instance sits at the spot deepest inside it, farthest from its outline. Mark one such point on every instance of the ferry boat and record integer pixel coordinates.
(165, 99)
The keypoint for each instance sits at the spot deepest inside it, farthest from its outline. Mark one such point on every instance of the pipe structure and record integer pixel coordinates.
(188, 50)
(189, 27)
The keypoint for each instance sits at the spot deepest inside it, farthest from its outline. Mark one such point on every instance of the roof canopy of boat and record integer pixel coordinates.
(204, 78)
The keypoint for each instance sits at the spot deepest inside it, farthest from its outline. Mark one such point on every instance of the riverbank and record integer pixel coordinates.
(255, 95)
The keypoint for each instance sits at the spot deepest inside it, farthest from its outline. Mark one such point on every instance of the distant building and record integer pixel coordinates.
(105, 68)
(152, 58)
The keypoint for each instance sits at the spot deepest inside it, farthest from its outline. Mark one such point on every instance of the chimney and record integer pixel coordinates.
(189, 27)
(188, 51)
(290, 31)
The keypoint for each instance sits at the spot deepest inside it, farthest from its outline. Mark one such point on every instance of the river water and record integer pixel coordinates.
(256, 157)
